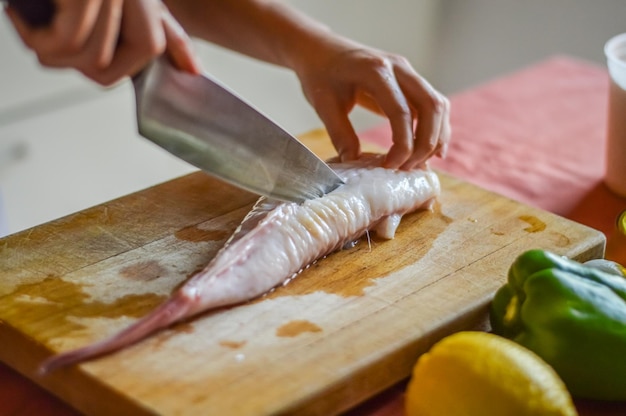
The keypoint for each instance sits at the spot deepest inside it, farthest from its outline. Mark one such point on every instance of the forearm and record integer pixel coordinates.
(267, 30)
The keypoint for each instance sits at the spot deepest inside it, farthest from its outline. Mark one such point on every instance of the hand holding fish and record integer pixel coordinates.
(338, 74)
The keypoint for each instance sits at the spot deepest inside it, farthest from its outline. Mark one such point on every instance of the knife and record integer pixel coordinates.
(205, 124)
(202, 122)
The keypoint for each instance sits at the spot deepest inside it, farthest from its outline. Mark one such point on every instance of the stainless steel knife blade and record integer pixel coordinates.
(207, 125)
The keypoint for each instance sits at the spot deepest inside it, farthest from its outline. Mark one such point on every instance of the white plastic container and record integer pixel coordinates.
(615, 176)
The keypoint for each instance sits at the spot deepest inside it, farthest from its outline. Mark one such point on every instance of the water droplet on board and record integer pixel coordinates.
(294, 328)
(144, 271)
(60, 299)
(536, 225)
(196, 234)
(232, 344)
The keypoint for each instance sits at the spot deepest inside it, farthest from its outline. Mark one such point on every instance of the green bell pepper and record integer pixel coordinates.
(571, 315)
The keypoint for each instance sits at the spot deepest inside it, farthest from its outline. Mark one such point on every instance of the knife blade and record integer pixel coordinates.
(202, 122)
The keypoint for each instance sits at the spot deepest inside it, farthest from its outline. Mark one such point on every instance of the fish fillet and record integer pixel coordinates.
(276, 240)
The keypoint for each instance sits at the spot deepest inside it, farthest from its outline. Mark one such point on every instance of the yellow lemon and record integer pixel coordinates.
(478, 374)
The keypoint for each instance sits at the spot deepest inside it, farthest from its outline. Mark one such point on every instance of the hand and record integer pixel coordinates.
(107, 40)
(341, 74)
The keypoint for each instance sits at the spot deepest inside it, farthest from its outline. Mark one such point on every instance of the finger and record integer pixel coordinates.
(425, 142)
(70, 29)
(366, 101)
(99, 50)
(390, 98)
(103, 42)
(179, 47)
(334, 115)
(446, 134)
(141, 39)
(22, 29)
(72, 25)
(49, 43)
(432, 112)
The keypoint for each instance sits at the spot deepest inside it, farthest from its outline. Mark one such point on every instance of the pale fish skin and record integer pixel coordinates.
(293, 236)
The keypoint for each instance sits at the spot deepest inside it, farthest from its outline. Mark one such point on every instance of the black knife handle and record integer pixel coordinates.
(37, 13)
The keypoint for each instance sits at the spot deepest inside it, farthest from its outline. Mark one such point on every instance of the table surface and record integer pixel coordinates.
(536, 136)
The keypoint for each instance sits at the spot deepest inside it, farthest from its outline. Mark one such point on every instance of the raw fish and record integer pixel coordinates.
(276, 240)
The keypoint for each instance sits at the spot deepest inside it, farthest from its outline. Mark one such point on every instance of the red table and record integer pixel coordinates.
(536, 136)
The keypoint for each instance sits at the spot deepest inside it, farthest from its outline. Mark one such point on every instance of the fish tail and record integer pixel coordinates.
(172, 310)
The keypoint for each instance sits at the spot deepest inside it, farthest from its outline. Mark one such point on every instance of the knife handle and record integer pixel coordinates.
(37, 13)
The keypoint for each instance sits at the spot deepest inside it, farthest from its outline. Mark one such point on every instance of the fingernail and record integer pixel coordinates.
(348, 155)
(443, 151)
(389, 163)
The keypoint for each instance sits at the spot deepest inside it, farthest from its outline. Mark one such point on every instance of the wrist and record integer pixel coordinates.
(296, 36)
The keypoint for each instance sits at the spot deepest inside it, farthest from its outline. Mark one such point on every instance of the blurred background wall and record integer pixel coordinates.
(66, 144)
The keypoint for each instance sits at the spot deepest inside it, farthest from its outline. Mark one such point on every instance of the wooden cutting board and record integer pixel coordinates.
(346, 328)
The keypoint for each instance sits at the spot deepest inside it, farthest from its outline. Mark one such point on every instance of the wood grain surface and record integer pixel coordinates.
(346, 328)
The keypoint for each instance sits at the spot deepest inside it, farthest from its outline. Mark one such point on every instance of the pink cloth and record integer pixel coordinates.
(536, 136)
